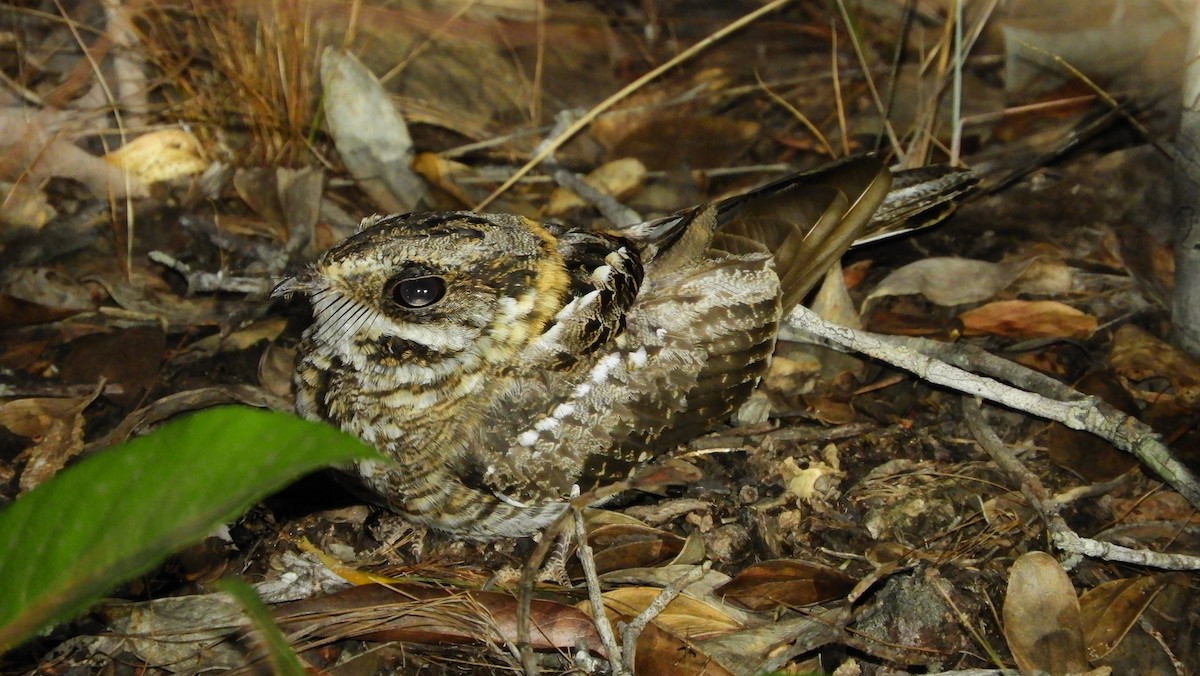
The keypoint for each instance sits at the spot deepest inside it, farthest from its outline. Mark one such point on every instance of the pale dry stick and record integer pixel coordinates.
(838, 104)
(862, 62)
(795, 112)
(1063, 536)
(432, 37)
(625, 91)
(1106, 97)
(539, 64)
(1068, 406)
(956, 106)
(599, 617)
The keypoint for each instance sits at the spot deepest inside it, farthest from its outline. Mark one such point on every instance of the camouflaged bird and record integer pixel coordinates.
(502, 362)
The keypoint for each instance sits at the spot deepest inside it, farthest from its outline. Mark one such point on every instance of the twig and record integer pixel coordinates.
(599, 617)
(612, 209)
(1063, 537)
(1046, 398)
(210, 282)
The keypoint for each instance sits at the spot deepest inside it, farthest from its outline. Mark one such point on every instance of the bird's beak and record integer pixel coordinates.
(304, 282)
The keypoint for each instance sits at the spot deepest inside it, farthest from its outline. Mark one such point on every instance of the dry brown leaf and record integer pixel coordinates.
(126, 357)
(160, 155)
(621, 546)
(1109, 609)
(1028, 319)
(408, 612)
(371, 136)
(684, 617)
(24, 206)
(56, 427)
(1041, 617)
(785, 582)
(1137, 356)
(949, 281)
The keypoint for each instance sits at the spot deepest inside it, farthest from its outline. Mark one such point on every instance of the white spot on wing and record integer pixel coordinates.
(527, 438)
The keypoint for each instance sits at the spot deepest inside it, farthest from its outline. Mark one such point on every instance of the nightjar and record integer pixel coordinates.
(500, 361)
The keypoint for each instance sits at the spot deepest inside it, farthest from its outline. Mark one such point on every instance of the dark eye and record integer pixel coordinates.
(418, 291)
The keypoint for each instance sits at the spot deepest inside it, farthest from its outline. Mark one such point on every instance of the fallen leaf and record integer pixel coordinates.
(785, 582)
(1028, 319)
(56, 427)
(1041, 617)
(160, 155)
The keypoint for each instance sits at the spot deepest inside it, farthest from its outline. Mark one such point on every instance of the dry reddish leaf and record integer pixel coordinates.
(56, 427)
(1137, 355)
(1041, 617)
(1109, 609)
(129, 358)
(17, 312)
(413, 613)
(621, 546)
(785, 582)
(1028, 319)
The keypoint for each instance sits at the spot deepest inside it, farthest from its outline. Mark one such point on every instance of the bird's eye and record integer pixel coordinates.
(418, 292)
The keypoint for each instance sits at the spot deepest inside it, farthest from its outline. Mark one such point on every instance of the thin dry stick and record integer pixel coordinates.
(800, 117)
(862, 62)
(838, 104)
(625, 91)
(599, 617)
(1106, 97)
(932, 362)
(1063, 536)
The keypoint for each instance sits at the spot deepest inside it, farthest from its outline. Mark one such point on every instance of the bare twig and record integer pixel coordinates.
(599, 617)
(1045, 398)
(1064, 538)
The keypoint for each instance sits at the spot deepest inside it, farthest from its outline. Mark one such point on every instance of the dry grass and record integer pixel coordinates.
(243, 75)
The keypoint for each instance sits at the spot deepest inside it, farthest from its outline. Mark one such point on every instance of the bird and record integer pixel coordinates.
(504, 364)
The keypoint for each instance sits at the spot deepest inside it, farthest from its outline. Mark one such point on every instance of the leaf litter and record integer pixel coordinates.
(138, 248)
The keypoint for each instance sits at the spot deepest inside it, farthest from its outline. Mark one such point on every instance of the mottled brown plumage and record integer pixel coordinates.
(502, 362)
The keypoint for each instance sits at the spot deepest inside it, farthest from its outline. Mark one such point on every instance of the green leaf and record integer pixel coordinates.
(117, 514)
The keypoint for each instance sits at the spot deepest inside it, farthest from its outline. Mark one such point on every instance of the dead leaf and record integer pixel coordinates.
(685, 617)
(126, 357)
(160, 155)
(371, 136)
(56, 427)
(619, 179)
(409, 612)
(1041, 617)
(949, 281)
(785, 582)
(24, 207)
(1109, 610)
(1139, 356)
(1028, 319)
